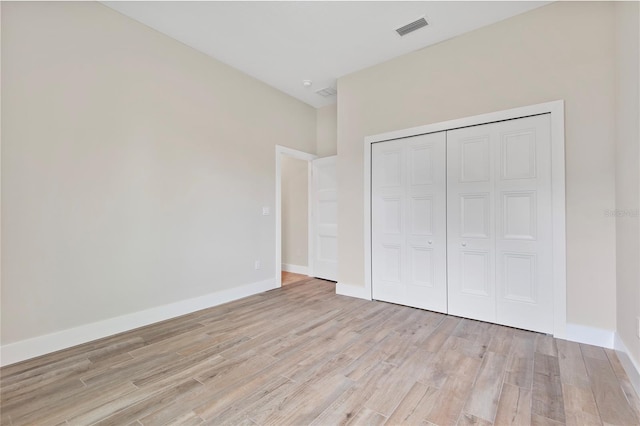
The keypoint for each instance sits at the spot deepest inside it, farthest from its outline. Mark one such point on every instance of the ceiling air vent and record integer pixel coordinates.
(326, 92)
(412, 26)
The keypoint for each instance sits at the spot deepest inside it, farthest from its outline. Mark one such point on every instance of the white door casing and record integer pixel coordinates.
(409, 221)
(555, 109)
(300, 155)
(324, 219)
(516, 267)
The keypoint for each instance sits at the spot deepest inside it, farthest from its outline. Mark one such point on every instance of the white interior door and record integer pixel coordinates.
(470, 223)
(408, 217)
(524, 241)
(499, 223)
(324, 219)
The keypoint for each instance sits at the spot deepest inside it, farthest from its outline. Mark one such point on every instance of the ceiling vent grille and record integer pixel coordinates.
(412, 26)
(327, 91)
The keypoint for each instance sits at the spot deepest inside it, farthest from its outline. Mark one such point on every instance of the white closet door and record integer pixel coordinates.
(499, 223)
(524, 243)
(470, 223)
(324, 219)
(409, 222)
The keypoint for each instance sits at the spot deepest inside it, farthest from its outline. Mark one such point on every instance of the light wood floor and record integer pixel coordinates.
(303, 355)
(290, 278)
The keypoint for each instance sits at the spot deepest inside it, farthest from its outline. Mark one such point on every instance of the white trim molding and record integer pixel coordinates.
(300, 155)
(611, 340)
(556, 110)
(631, 366)
(296, 269)
(590, 335)
(41, 345)
(359, 292)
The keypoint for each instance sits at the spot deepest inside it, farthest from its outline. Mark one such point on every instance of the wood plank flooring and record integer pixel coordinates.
(302, 355)
(291, 277)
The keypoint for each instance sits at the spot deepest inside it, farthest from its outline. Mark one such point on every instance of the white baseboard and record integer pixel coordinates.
(296, 269)
(31, 348)
(575, 332)
(352, 291)
(630, 365)
(590, 335)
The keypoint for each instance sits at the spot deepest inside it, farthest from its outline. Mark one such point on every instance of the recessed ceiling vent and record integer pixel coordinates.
(327, 91)
(412, 26)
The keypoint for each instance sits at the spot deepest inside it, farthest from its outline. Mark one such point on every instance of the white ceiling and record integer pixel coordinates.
(283, 43)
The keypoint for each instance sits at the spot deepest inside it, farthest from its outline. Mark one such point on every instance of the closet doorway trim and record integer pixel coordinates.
(556, 110)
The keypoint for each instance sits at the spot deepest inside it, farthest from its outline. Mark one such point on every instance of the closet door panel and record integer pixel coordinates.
(409, 239)
(524, 231)
(387, 221)
(471, 223)
(426, 219)
(499, 223)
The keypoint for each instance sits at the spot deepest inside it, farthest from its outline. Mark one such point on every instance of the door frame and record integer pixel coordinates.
(299, 155)
(556, 111)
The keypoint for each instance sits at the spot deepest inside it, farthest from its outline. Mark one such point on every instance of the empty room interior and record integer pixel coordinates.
(292, 213)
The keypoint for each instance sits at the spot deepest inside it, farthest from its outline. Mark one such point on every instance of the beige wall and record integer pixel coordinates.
(628, 174)
(295, 211)
(560, 51)
(134, 169)
(326, 131)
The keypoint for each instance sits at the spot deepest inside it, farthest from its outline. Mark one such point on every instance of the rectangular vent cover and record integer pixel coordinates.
(327, 91)
(412, 26)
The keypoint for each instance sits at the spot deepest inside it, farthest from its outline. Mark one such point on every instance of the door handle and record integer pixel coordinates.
(464, 244)
(430, 242)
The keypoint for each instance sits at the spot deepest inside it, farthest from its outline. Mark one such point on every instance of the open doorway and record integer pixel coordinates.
(320, 228)
(293, 178)
(295, 220)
